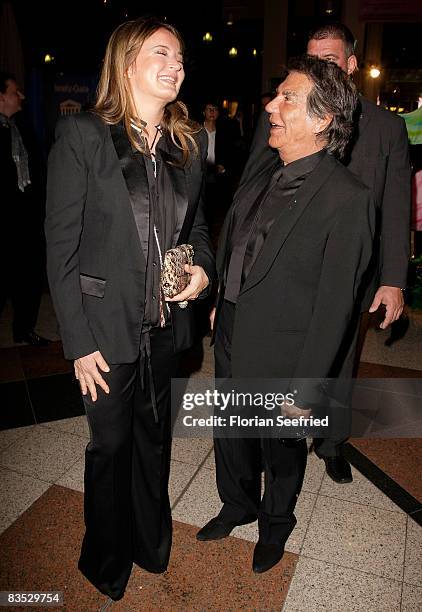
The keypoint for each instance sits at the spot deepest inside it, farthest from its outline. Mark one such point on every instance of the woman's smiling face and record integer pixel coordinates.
(157, 73)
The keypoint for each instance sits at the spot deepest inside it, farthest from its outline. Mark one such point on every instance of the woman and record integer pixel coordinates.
(124, 186)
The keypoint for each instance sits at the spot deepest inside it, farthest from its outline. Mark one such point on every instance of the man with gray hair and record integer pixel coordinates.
(294, 248)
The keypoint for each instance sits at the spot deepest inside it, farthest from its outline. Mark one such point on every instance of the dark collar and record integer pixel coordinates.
(300, 167)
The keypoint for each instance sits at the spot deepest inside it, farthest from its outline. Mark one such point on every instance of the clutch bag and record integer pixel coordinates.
(174, 277)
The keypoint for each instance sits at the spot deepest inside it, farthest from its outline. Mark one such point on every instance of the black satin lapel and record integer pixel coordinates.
(282, 227)
(178, 181)
(135, 175)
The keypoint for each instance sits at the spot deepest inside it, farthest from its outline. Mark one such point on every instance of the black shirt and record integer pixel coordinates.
(251, 226)
(162, 217)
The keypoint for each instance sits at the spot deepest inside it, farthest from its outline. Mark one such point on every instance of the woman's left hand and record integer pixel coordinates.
(198, 282)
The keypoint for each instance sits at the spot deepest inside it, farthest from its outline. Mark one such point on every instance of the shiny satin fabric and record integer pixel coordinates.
(134, 171)
(127, 464)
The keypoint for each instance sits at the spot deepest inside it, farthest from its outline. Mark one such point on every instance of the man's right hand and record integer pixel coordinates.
(87, 373)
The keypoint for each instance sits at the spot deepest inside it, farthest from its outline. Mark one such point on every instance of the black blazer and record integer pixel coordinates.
(299, 299)
(96, 266)
(379, 157)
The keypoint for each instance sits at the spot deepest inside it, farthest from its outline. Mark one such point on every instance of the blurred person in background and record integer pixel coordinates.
(221, 163)
(22, 240)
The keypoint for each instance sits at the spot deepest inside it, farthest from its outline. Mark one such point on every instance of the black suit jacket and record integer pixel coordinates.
(379, 157)
(299, 299)
(96, 265)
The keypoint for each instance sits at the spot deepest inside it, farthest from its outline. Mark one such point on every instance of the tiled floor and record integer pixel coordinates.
(354, 548)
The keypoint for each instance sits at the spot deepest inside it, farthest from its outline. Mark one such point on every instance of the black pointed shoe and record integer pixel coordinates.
(338, 469)
(265, 556)
(217, 529)
(31, 338)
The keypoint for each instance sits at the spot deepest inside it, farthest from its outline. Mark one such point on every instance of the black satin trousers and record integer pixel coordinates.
(239, 463)
(127, 465)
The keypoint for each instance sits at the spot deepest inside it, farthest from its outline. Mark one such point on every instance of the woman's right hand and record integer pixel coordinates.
(212, 317)
(87, 373)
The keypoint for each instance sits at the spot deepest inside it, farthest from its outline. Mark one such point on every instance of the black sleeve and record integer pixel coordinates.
(66, 197)
(199, 236)
(395, 220)
(346, 258)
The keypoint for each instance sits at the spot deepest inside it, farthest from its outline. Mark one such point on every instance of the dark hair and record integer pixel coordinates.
(4, 77)
(211, 103)
(333, 93)
(336, 31)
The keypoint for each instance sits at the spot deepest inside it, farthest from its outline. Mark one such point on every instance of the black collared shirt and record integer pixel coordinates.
(162, 216)
(251, 226)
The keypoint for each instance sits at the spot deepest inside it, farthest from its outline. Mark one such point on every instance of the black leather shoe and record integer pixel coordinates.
(265, 556)
(338, 469)
(31, 338)
(217, 529)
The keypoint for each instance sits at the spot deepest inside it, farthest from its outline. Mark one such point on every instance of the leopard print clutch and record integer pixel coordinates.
(174, 278)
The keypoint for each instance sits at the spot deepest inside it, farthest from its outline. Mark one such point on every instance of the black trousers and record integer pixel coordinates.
(239, 463)
(127, 465)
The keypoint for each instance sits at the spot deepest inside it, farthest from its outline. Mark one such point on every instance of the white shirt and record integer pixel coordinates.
(211, 147)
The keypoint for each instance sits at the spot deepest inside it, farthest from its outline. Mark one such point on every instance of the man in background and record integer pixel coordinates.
(22, 239)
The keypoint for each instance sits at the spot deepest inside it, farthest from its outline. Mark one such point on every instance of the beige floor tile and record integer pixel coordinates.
(44, 453)
(10, 436)
(210, 462)
(361, 491)
(180, 475)
(17, 493)
(303, 512)
(315, 469)
(74, 477)
(77, 426)
(200, 502)
(190, 450)
(413, 560)
(357, 536)
(411, 600)
(317, 585)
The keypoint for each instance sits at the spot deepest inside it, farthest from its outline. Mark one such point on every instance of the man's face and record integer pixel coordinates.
(211, 112)
(11, 99)
(332, 50)
(293, 132)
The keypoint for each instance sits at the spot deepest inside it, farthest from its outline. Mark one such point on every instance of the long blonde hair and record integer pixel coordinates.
(114, 97)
